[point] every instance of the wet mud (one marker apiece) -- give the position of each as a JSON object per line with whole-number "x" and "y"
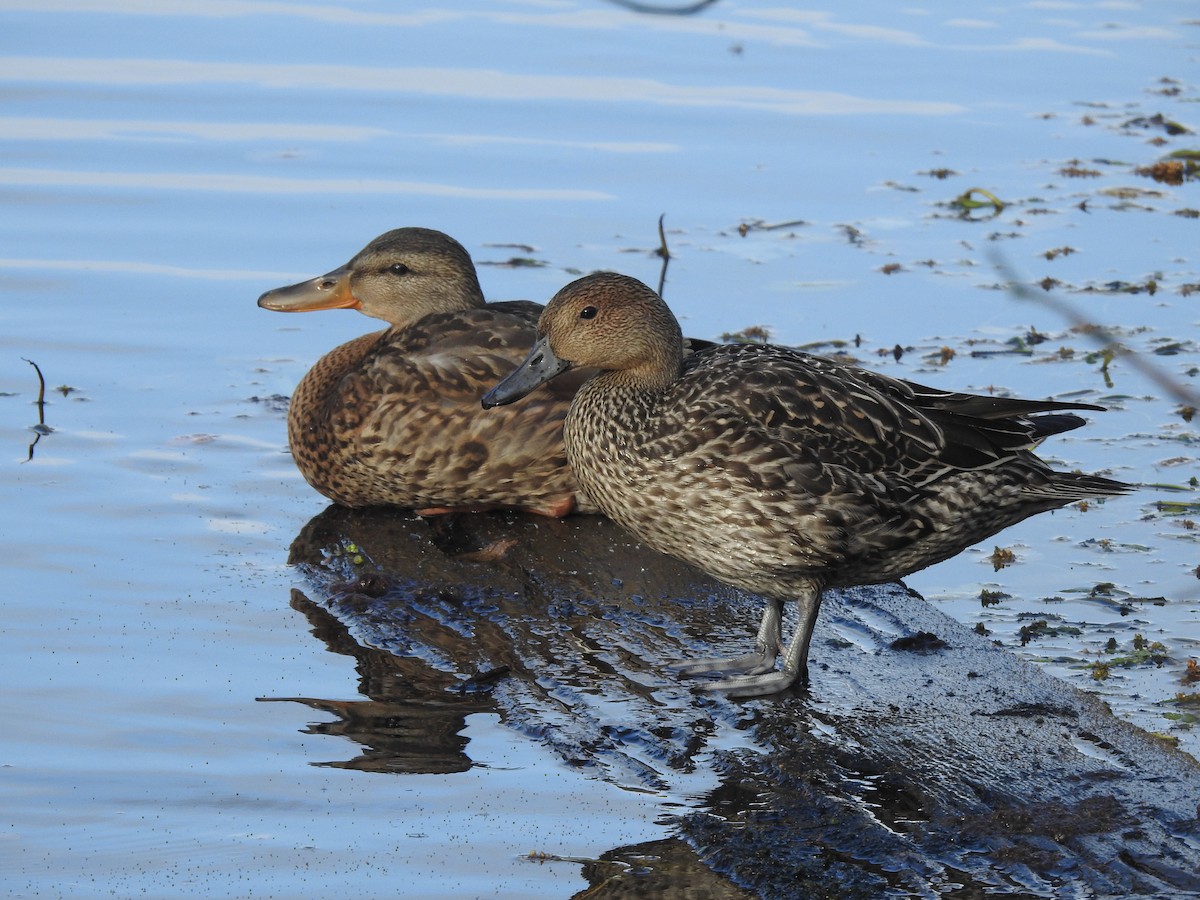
{"x": 920, "y": 760}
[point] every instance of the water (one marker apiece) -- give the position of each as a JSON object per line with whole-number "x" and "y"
{"x": 159, "y": 168}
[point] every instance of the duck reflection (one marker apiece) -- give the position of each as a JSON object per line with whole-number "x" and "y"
{"x": 546, "y": 623}
{"x": 409, "y": 724}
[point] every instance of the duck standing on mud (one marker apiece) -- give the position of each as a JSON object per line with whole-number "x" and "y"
{"x": 780, "y": 472}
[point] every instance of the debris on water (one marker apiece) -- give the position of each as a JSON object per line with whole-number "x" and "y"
{"x": 527, "y": 249}
{"x": 1074, "y": 170}
{"x": 1158, "y": 122}
{"x": 1010, "y": 351}
{"x": 967, "y": 202}
{"x": 991, "y": 598}
{"x": 1042, "y": 628}
{"x": 1001, "y": 557}
{"x": 1144, "y": 652}
{"x": 1177, "y": 507}
{"x": 516, "y": 262}
{"x": 744, "y": 228}
{"x": 853, "y": 235}
{"x": 277, "y": 403}
{"x": 941, "y": 356}
{"x": 1170, "y": 171}
{"x": 1129, "y": 193}
{"x": 753, "y": 334}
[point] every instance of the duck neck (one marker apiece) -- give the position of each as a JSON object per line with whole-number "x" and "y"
{"x": 644, "y": 379}
{"x": 452, "y": 297}
{"x": 650, "y": 366}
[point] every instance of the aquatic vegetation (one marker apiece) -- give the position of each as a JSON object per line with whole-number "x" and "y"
{"x": 967, "y": 202}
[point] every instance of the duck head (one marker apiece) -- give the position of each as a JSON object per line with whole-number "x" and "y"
{"x": 605, "y": 321}
{"x": 400, "y": 277}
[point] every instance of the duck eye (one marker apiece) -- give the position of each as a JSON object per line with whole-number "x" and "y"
{"x": 588, "y": 312}
{"x": 398, "y": 269}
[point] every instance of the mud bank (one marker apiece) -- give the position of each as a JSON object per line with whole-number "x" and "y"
{"x": 919, "y": 761}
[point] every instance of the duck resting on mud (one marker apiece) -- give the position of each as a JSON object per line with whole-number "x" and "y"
{"x": 392, "y": 418}
{"x": 780, "y": 472}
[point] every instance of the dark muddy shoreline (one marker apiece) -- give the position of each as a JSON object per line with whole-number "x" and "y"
{"x": 920, "y": 760}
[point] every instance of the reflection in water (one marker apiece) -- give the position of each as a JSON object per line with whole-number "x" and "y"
{"x": 552, "y": 621}
{"x": 409, "y": 724}
{"x": 141, "y": 268}
{"x": 23, "y": 128}
{"x": 264, "y": 184}
{"x": 487, "y": 84}
{"x": 26, "y": 128}
{"x": 903, "y": 771}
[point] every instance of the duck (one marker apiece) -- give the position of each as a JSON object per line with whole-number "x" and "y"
{"x": 779, "y": 472}
{"x": 392, "y": 418}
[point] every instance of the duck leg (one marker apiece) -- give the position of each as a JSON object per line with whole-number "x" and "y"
{"x": 766, "y": 647}
{"x": 795, "y": 659}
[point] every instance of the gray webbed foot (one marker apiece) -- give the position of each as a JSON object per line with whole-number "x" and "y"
{"x": 761, "y": 660}
{"x": 753, "y": 685}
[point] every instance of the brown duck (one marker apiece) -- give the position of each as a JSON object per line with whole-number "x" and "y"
{"x": 392, "y": 418}
{"x": 779, "y": 472}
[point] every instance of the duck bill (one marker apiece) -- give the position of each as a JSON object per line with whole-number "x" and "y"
{"x": 329, "y": 291}
{"x": 540, "y": 366}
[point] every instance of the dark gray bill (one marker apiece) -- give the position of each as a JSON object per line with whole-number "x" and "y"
{"x": 540, "y": 366}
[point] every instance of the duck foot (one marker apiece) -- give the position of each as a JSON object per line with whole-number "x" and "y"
{"x": 760, "y": 661}
{"x": 766, "y": 649}
{"x": 763, "y": 681}
{"x": 753, "y": 685}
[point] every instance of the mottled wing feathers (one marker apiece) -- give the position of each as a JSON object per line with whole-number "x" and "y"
{"x": 810, "y": 410}
{"x": 862, "y": 421}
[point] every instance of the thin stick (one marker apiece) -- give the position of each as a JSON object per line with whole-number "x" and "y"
{"x": 664, "y": 252}
{"x": 40, "y": 428}
{"x": 41, "y": 400}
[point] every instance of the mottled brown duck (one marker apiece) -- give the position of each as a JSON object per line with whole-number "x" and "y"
{"x": 780, "y": 472}
{"x": 392, "y": 418}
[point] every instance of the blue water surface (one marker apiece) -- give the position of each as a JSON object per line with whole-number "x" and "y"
{"x": 163, "y": 164}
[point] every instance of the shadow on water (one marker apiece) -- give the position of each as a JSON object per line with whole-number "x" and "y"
{"x": 920, "y": 761}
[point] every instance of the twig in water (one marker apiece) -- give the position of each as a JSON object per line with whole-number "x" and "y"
{"x": 664, "y": 252}
{"x": 41, "y": 400}
{"x": 40, "y": 428}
